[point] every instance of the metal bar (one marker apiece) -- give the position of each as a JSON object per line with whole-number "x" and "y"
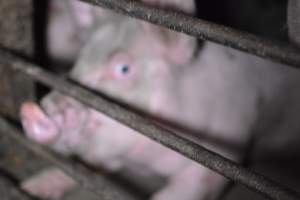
{"x": 187, "y": 148}
{"x": 283, "y": 53}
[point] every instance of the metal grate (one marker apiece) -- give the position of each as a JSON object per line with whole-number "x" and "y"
{"x": 205, "y": 30}
{"x": 199, "y": 28}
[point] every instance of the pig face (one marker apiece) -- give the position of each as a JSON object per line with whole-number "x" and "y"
{"x": 128, "y": 60}
{"x": 134, "y": 62}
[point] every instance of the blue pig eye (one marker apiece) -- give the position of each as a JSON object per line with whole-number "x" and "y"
{"x": 123, "y": 69}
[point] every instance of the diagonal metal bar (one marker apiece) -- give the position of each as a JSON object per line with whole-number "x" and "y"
{"x": 276, "y": 51}
{"x": 187, "y": 148}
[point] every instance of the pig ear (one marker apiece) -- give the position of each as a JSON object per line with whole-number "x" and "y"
{"x": 81, "y": 12}
{"x": 176, "y": 47}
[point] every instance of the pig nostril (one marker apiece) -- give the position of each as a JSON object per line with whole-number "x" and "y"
{"x": 39, "y": 129}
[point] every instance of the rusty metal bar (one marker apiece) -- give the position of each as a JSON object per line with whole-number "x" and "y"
{"x": 276, "y": 51}
{"x": 187, "y": 148}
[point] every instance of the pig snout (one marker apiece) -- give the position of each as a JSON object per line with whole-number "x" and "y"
{"x": 59, "y": 121}
{"x": 38, "y": 126}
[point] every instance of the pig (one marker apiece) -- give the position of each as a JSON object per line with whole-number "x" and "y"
{"x": 229, "y": 95}
{"x": 130, "y": 147}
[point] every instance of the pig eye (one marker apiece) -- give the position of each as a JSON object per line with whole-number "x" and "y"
{"x": 122, "y": 69}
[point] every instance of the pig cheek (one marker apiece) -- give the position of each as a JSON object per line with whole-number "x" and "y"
{"x": 72, "y": 118}
{"x": 103, "y": 145}
{"x": 158, "y": 103}
{"x": 73, "y": 129}
{"x": 89, "y": 133}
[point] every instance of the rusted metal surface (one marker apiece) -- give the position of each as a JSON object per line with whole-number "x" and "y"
{"x": 16, "y": 25}
{"x": 15, "y": 34}
{"x": 205, "y": 30}
{"x": 187, "y": 148}
{"x": 15, "y": 88}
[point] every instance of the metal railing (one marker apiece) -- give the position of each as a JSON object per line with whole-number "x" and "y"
{"x": 205, "y": 30}
{"x": 179, "y": 22}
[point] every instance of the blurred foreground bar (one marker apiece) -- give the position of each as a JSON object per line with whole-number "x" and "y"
{"x": 16, "y": 34}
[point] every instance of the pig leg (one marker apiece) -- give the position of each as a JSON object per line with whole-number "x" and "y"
{"x": 195, "y": 182}
{"x": 51, "y": 183}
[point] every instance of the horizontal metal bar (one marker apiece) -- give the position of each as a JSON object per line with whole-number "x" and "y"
{"x": 276, "y": 51}
{"x": 96, "y": 183}
{"x": 187, "y": 148}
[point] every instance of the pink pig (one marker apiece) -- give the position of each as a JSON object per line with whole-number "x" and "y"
{"x": 226, "y": 93}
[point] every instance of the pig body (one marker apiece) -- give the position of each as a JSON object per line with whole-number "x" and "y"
{"x": 225, "y": 94}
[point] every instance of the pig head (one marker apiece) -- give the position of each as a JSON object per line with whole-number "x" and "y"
{"x": 126, "y": 59}
{"x": 136, "y": 63}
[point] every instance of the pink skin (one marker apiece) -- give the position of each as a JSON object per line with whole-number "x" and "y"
{"x": 70, "y": 23}
{"x": 39, "y": 127}
{"x": 63, "y": 45}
